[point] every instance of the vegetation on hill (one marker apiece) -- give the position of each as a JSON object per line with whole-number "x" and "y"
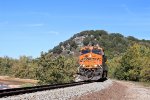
{"x": 132, "y": 65}
{"x": 113, "y": 43}
{"x": 128, "y": 59}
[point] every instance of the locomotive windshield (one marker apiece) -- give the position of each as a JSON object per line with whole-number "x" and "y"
{"x": 85, "y": 51}
{"x": 96, "y": 51}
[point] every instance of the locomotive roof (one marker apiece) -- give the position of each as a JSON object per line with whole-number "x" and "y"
{"x": 91, "y": 47}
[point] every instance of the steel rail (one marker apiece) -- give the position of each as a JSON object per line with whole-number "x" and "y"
{"x": 17, "y": 91}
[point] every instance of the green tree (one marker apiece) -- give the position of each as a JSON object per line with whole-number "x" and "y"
{"x": 5, "y": 65}
{"x": 25, "y": 67}
{"x": 56, "y": 69}
{"x": 86, "y": 41}
{"x": 134, "y": 64}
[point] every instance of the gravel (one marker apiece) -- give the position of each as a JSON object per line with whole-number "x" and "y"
{"x": 63, "y": 93}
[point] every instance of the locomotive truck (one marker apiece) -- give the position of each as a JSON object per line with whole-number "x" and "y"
{"x": 92, "y": 64}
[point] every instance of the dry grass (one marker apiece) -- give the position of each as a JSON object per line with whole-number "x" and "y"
{"x": 16, "y": 82}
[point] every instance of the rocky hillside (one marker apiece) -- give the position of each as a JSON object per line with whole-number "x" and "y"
{"x": 113, "y": 43}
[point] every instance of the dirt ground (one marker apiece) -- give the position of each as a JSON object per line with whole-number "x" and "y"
{"x": 120, "y": 90}
{"x": 15, "y": 82}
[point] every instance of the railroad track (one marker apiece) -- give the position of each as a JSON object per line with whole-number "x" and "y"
{"x": 17, "y": 91}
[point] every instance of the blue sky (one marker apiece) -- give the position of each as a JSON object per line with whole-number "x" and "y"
{"x": 28, "y": 27}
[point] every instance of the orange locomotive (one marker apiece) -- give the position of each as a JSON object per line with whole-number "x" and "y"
{"x": 92, "y": 64}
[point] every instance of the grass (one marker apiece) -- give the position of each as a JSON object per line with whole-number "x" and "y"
{"x": 27, "y": 85}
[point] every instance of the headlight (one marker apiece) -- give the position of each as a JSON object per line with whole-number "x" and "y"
{"x": 95, "y": 65}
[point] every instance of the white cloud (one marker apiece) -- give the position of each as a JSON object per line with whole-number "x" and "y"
{"x": 21, "y": 24}
{"x": 34, "y": 25}
{"x": 39, "y": 13}
{"x": 53, "y": 32}
{"x": 127, "y": 10}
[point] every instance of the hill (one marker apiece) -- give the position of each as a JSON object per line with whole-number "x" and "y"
{"x": 113, "y": 43}
{"x": 128, "y": 57}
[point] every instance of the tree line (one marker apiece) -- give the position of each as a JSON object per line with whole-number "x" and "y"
{"x": 46, "y": 69}
{"x": 132, "y": 65}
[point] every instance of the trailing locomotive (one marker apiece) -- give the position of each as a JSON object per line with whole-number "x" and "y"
{"x": 92, "y": 64}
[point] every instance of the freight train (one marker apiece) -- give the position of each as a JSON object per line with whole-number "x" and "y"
{"x": 92, "y": 64}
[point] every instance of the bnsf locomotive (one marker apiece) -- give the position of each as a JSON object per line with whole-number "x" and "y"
{"x": 92, "y": 64}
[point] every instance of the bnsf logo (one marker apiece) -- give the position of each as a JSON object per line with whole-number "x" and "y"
{"x": 84, "y": 59}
